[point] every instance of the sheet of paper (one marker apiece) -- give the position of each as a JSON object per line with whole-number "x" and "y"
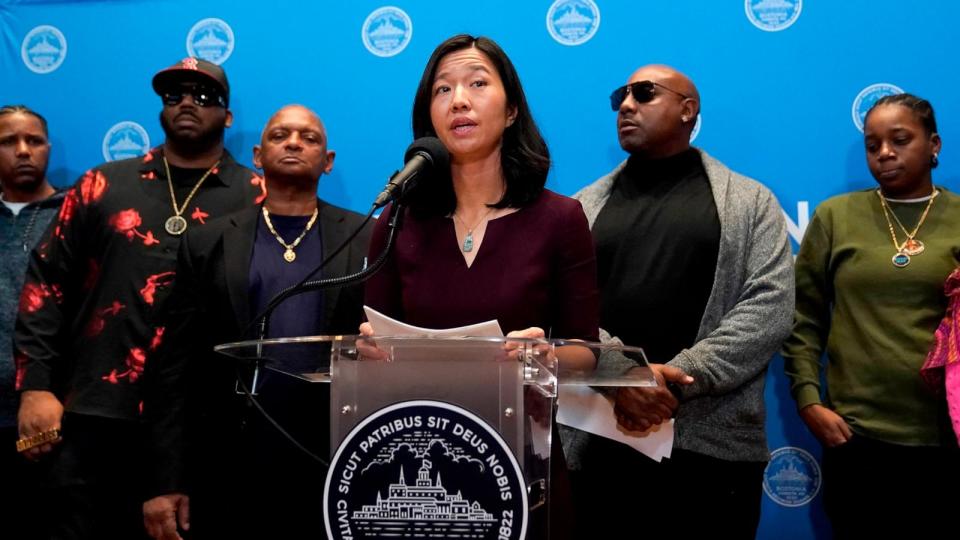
{"x": 386, "y": 326}
{"x": 584, "y": 408}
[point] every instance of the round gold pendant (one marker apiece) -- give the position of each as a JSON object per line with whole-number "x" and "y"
{"x": 289, "y": 255}
{"x": 175, "y": 225}
{"x": 901, "y": 259}
{"x": 913, "y": 247}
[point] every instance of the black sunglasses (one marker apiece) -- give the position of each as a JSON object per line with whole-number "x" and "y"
{"x": 642, "y": 92}
{"x": 203, "y": 96}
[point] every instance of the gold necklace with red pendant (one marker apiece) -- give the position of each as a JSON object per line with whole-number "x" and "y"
{"x": 911, "y": 246}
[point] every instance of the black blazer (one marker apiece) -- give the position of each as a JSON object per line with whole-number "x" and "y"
{"x": 189, "y": 393}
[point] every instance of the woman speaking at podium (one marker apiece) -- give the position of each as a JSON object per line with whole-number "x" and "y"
{"x": 484, "y": 240}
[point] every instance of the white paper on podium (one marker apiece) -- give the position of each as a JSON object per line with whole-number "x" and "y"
{"x": 586, "y": 409}
{"x": 386, "y": 326}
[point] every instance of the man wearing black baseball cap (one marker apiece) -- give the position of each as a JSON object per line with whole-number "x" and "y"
{"x": 195, "y": 70}
{"x": 88, "y": 319}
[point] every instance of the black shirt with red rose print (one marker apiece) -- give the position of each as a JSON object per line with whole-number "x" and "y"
{"x": 97, "y": 282}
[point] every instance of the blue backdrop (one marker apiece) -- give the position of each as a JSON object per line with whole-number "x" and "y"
{"x": 783, "y": 84}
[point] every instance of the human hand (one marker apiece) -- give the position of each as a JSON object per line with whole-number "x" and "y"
{"x": 40, "y": 411}
{"x": 827, "y": 426}
{"x": 366, "y": 329}
{"x": 367, "y": 347}
{"x": 639, "y": 408}
{"x": 513, "y": 348}
{"x": 162, "y": 514}
{"x": 528, "y": 333}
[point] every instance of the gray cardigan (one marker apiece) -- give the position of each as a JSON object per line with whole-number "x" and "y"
{"x": 747, "y": 317}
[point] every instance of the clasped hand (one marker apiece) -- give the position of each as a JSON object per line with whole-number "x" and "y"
{"x": 640, "y": 408}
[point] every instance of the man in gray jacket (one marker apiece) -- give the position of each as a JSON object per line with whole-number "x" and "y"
{"x": 694, "y": 265}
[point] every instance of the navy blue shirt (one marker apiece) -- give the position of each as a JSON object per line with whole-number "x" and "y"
{"x": 301, "y": 315}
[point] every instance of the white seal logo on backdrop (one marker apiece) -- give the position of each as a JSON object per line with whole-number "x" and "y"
{"x": 773, "y": 15}
{"x": 387, "y": 31}
{"x": 696, "y": 129}
{"x": 212, "y": 40}
{"x": 43, "y": 49}
{"x": 424, "y": 469}
{"x": 125, "y": 140}
{"x": 792, "y": 478}
{"x": 572, "y": 22}
{"x": 867, "y": 97}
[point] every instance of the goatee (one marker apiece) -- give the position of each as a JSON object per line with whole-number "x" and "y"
{"x": 193, "y": 142}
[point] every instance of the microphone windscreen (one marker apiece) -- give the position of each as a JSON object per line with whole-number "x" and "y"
{"x": 432, "y": 148}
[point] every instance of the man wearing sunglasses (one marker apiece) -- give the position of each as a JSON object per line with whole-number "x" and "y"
{"x": 694, "y": 265}
{"x": 88, "y": 320}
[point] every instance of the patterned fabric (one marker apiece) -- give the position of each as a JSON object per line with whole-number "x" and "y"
{"x": 941, "y": 371}
{"x": 97, "y": 282}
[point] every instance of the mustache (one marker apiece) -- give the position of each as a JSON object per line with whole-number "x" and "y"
{"x": 187, "y": 114}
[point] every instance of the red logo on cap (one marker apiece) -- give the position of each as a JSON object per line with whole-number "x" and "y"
{"x": 189, "y": 63}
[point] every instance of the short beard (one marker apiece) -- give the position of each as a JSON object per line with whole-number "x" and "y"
{"x": 194, "y": 144}
{"x": 26, "y": 187}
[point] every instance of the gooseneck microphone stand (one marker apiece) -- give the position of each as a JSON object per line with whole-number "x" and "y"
{"x": 307, "y": 284}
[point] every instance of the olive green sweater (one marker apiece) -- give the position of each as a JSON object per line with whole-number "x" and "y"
{"x": 874, "y": 321}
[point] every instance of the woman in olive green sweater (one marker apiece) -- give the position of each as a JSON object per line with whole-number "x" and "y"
{"x": 870, "y": 276}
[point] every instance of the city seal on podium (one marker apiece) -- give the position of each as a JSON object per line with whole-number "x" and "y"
{"x": 424, "y": 469}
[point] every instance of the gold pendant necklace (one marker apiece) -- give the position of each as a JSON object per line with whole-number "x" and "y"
{"x": 177, "y": 224}
{"x": 289, "y": 255}
{"x": 910, "y": 247}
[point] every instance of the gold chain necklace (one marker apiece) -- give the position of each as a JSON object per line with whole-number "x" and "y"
{"x": 900, "y": 223}
{"x": 289, "y": 254}
{"x": 177, "y": 224}
{"x": 468, "y": 239}
{"x": 911, "y": 246}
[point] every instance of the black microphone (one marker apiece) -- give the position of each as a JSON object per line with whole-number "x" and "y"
{"x": 424, "y": 154}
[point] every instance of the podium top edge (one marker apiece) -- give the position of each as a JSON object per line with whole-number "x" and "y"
{"x": 349, "y": 340}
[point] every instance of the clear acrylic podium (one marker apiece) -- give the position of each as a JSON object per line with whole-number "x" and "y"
{"x": 441, "y": 437}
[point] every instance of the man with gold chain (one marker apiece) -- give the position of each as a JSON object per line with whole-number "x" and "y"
{"x": 227, "y": 273}
{"x": 88, "y": 319}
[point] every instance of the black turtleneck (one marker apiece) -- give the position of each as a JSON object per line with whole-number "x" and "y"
{"x": 657, "y": 240}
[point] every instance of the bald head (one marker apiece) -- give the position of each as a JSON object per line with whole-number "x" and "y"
{"x": 292, "y": 110}
{"x": 293, "y": 146}
{"x": 669, "y": 77}
{"x": 658, "y": 125}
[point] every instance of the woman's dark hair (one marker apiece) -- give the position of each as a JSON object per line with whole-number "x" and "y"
{"x": 525, "y": 158}
{"x": 10, "y": 109}
{"x": 921, "y": 109}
